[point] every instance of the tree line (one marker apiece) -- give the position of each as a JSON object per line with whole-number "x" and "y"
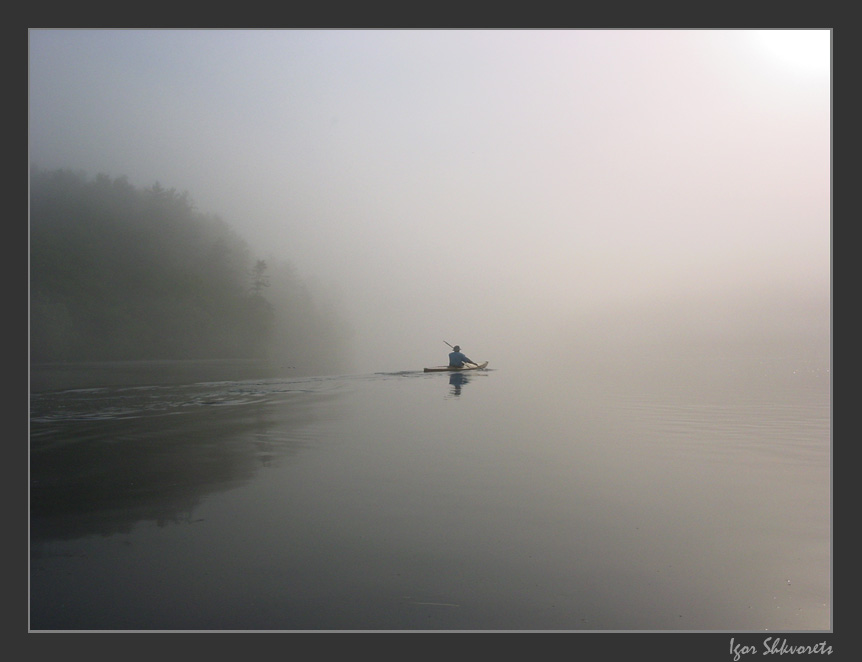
{"x": 121, "y": 273}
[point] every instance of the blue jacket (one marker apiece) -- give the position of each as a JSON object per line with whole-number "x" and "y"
{"x": 457, "y": 359}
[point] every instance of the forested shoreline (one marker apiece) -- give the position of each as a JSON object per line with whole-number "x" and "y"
{"x": 121, "y": 273}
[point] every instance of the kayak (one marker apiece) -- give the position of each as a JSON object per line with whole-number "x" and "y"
{"x": 446, "y": 368}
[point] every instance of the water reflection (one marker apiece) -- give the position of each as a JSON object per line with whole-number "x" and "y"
{"x": 456, "y": 381}
{"x": 102, "y": 460}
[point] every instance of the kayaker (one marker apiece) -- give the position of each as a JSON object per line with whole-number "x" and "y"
{"x": 457, "y": 358}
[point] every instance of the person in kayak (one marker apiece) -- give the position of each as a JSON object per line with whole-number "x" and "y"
{"x": 457, "y": 358}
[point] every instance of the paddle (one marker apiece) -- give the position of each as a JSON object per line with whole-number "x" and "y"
{"x": 470, "y": 362}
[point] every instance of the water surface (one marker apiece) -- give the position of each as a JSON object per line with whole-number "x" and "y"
{"x": 668, "y": 498}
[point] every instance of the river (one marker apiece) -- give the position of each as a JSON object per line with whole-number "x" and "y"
{"x": 225, "y": 496}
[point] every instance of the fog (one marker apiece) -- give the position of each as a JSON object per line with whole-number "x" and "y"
{"x": 520, "y": 193}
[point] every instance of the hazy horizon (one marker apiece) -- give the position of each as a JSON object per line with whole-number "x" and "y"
{"x": 498, "y": 189}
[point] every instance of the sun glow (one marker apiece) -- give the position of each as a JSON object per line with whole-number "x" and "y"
{"x": 803, "y": 51}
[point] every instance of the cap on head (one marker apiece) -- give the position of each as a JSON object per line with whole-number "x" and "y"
{"x": 457, "y": 348}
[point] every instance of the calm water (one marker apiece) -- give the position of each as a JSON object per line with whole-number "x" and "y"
{"x": 199, "y": 497}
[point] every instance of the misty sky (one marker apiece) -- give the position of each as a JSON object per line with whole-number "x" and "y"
{"x": 469, "y": 186}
